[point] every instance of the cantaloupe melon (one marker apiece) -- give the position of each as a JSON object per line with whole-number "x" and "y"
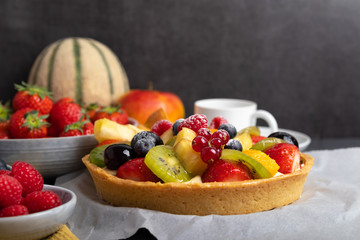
{"x": 81, "y": 68}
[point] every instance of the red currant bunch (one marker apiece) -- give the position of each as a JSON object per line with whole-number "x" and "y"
{"x": 210, "y": 145}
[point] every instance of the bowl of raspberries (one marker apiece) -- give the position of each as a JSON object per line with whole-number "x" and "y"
{"x": 51, "y": 135}
{"x": 30, "y": 209}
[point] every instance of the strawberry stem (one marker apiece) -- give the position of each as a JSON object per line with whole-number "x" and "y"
{"x": 77, "y": 125}
{"x": 5, "y": 111}
{"x": 34, "y": 121}
{"x": 33, "y": 89}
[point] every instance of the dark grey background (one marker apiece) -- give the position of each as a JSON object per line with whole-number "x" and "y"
{"x": 298, "y": 59}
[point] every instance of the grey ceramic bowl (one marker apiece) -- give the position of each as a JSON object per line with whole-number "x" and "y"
{"x": 41, "y": 224}
{"x": 52, "y": 157}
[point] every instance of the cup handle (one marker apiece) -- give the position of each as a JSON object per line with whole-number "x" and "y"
{"x": 268, "y": 117}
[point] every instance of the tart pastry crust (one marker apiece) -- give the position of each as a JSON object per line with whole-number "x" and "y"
{"x": 222, "y": 198}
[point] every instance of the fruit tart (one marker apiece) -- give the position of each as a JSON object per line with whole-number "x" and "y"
{"x": 187, "y": 167}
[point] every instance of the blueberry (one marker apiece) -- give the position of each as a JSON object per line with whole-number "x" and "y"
{"x": 286, "y": 137}
{"x": 231, "y": 129}
{"x": 116, "y": 155}
{"x": 143, "y": 146}
{"x": 176, "y": 125}
{"x": 158, "y": 140}
{"x": 3, "y": 165}
{"x": 143, "y": 141}
{"x": 234, "y": 144}
{"x": 146, "y": 135}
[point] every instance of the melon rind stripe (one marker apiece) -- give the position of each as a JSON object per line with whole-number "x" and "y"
{"x": 106, "y": 66}
{"x": 51, "y": 64}
{"x": 78, "y": 72}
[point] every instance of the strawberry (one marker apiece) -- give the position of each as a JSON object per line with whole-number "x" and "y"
{"x": 286, "y": 155}
{"x": 91, "y": 109}
{"x": 41, "y": 200}
{"x": 5, "y": 172}
{"x": 78, "y": 128}
{"x": 28, "y": 123}
{"x": 161, "y": 126}
{"x": 136, "y": 169}
{"x": 226, "y": 171}
{"x": 64, "y": 113}
{"x": 113, "y": 113}
{"x": 256, "y": 139}
{"x": 14, "y": 210}
{"x": 10, "y": 191}
{"x": 217, "y": 121}
{"x": 65, "y": 99}
{"x": 4, "y": 133}
{"x": 30, "y": 179}
{"x": 32, "y": 96}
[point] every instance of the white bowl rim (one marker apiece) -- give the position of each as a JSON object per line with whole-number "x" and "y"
{"x": 46, "y": 138}
{"x": 28, "y": 217}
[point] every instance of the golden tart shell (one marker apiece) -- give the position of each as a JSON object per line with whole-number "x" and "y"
{"x": 222, "y": 198}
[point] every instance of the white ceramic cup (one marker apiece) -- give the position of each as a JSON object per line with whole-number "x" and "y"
{"x": 241, "y": 113}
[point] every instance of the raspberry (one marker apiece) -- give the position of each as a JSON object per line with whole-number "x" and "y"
{"x": 10, "y": 191}
{"x": 14, "y": 210}
{"x": 194, "y": 122}
{"x": 217, "y": 121}
{"x": 41, "y": 200}
{"x": 30, "y": 179}
{"x": 161, "y": 126}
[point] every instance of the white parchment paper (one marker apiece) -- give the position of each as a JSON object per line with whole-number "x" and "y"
{"x": 329, "y": 208}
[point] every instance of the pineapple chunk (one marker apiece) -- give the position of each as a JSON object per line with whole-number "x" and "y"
{"x": 105, "y": 129}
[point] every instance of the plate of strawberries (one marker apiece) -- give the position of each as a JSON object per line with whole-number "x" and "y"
{"x": 30, "y": 209}
{"x": 51, "y": 135}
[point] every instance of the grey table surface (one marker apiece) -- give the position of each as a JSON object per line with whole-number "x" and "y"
{"x": 333, "y": 143}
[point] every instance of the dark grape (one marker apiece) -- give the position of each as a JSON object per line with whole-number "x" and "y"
{"x": 116, "y": 155}
{"x": 287, "y": 137}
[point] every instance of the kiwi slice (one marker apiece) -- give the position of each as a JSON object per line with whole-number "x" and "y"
{"x": 161, "y": 160}
{"x": 252, "y": 130}
{"x": 97, "y": 155}
{"x": 266, "y": 143}
{"x": 257, "y": 169}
